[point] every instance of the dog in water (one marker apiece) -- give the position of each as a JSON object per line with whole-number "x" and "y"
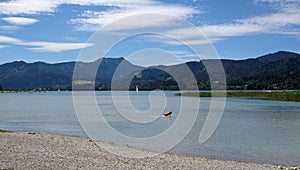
{"x": 166, "y": 114}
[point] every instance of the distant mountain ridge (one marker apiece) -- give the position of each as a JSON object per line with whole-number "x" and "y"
{"x": 280, "y": 70}
{"x": 280, "y": 55}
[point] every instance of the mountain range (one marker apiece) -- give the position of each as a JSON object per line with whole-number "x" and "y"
{"x": 280, "y": 70}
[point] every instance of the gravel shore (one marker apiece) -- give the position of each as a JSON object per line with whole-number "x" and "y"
{"x": 23, "y": 150}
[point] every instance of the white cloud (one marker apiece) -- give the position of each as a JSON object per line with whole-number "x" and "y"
{"x": 185, "y": 54}
{"x": 187, "y": 36}
{"x": 43, "y": 46}
{"x": 38, "y": 6}
{"x": 286, "y": 22}
{"x": 70, "y": 39}
{"x": 111, "y": 3}
{"x": 15, "y": 7}
{"x": 3, "y": 46}
{"x": 190, "y": 36}
{"x": 9, "y": 27}
{"x": 288, "y": 14}
{"x": 278, "y": 23}
{"x": 94, "y": 20}
{"x": 20, "y": 20}
{"x": 153, "y": 56}
{"x": 55, "y": 46}
{"x": 28, "y": 7}
{"x": 9, "y": 40}
{"x": 91, "y": 20}
{"x": 229, "y": 30}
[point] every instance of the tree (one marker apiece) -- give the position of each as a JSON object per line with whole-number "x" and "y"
{"x": 1, "y": 88}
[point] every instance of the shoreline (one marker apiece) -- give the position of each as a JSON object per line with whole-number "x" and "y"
{"x": 289, "y": 96}
{"x": 35, "y": 150}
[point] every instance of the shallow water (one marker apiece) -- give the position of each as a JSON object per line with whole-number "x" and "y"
{"x": 250, "y": 130}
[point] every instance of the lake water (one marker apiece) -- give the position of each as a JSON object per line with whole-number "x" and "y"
{"x": 250, "y": 130}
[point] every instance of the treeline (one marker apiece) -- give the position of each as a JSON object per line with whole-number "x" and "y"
{"x": 273, "y": 82}
{"x": 277, "y": 71}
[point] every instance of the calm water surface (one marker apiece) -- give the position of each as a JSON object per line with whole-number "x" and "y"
{"x": 250, "y": 130}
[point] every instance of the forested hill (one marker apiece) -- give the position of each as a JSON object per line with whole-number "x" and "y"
{"x": 280, "y": 70}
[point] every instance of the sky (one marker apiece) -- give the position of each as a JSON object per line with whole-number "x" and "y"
{"x": 55, "y": 31}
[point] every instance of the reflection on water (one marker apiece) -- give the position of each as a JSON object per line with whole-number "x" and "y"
{"x": 250, "y": 130}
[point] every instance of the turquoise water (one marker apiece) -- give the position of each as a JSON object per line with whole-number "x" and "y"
{"x": 250, "y": 130}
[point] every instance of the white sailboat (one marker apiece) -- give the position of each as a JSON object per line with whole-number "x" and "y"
{"x": 137, "y": 88}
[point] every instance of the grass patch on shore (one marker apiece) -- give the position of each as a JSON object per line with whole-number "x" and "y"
{"x": 278, "y": 95}
{"x": 1, "y": 131}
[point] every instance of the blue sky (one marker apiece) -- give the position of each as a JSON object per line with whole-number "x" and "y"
{"x": 57, "y": 30}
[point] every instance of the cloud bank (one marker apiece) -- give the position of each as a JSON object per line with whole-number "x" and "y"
{"x": 285, "y": 21}
{"x": 43, "y": 46}
{"x": 20, "y": 20}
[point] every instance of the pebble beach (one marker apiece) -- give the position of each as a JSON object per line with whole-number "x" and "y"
{"x": 28, "y": 150}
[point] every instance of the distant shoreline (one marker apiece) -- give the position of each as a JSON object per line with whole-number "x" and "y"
{"x": 279, "y": 95}
{"x": 293, "y": 96}
{"x": 23, "y": 150}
